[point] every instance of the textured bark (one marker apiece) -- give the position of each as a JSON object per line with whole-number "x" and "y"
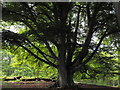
{"x": 65, "y": 74}
{"x": 65, "y": 77}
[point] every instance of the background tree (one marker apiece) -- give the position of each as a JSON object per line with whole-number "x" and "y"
{"x": 70, "y": 32}
{"x": 6, "y": 61}
{"x": 117, "y": 9}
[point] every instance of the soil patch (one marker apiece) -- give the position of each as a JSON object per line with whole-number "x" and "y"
{"x": 34, "y": 85}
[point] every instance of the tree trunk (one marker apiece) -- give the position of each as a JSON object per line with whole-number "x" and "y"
{"x": 65, "y": 77}
{"x": 65, "y": 73}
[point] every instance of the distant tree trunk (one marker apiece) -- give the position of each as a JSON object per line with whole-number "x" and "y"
{"x": 117, "y": 8}
{"x": 113, "y": 83}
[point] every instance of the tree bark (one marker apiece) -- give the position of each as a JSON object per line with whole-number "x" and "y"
{"x": 65, "y": 77}
{"x": 65, "y": 73}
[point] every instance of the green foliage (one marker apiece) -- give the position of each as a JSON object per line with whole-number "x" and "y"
{"x": 74, "y": 36}
{"x": 22, "y": 64}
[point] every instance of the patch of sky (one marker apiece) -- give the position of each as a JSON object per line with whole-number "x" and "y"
{"x": 12, "y": 27}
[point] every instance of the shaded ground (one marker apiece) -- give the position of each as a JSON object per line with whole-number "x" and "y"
{"x": 29, "y": 85}
{"x": 26, "y": 84}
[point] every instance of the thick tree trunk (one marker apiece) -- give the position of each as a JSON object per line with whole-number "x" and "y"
{"x": 65, "y": 73}
{"x": 65, "y": 77}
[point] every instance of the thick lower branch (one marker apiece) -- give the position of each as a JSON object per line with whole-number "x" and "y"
{"x": 90, "y": 57}
{"x": 50, "y": 50}
{"x": 47, "y": 62}
{"x": 42, "y": 53}
{"x": 19, "y": 14}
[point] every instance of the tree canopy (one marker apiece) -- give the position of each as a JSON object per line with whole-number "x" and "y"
{"x": 68, "y": 36}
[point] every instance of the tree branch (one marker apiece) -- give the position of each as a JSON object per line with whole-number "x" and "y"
{"x": 82, "y": 54}
{"x": 18, "y": 39}
{"x": 47, "y": 62}
{"x": 89, "y": 58}
{"x": 29, "y": 10}
{"x": 101, "y": 72}
{"x": 50, "y": 50}
{"x": 72, "y": 46}
{"x": 88, "y": 13}
{"x": 77, "y": 25}
{"x": 41, "y": 52}
{"x": 45, "y": 5}
{"x": 19, "y": 14}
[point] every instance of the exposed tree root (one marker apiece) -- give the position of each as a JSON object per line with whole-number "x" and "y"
{"x": 56, "y": 85}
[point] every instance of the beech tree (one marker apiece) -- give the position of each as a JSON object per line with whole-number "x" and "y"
{"x": 76, "y": 31}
